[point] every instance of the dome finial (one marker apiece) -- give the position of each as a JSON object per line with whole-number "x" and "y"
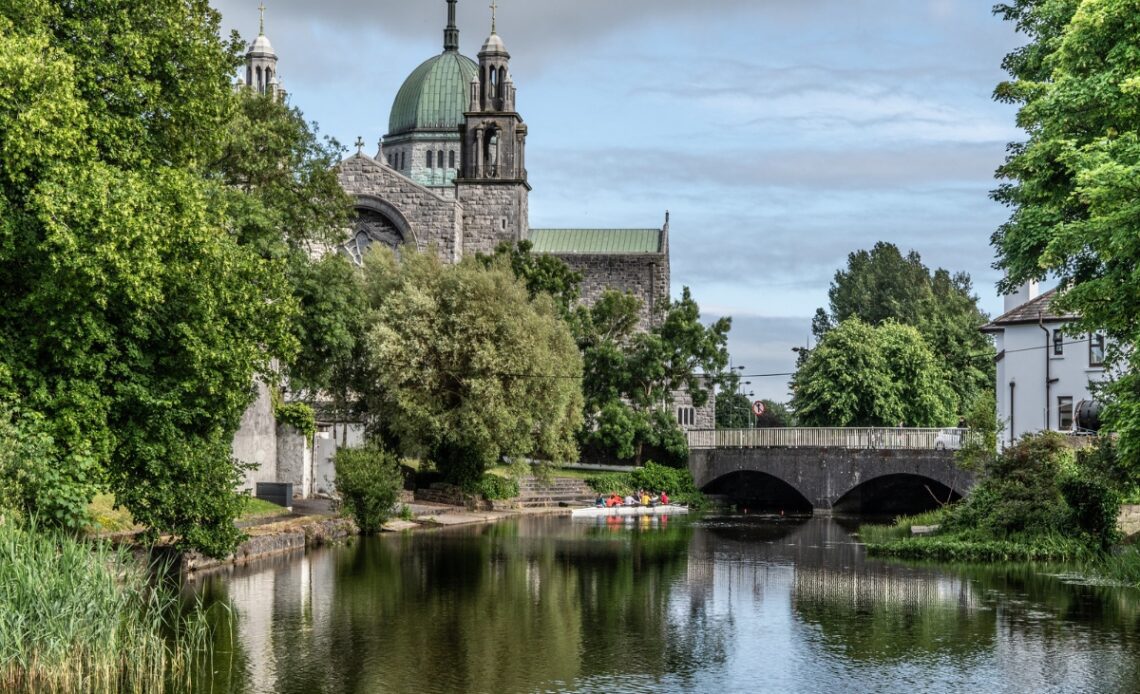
{"x": 451, "y": 33}
{"x": 261, "y": 28}
{"x": 494, "y": 9}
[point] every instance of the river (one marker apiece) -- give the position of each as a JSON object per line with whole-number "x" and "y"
{"x": 719, "y": 604}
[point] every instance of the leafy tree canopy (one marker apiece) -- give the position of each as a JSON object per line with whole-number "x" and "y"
{"x": 863, "y": 375}
{"x": 141, "y": 286}
{"x": 464, "y": 367}
{"x": 540, "y": 273}
{"x": 883, "y": 285}
{"x": 1071, "y": 185}
{"x": 631, "y": 376}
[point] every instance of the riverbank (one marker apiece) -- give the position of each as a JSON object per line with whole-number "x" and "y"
{"x": 923, "y": 537}
{"x": 315, "y": 524}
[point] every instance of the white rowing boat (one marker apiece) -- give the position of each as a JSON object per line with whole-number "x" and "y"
{"x": 595, "y": 512}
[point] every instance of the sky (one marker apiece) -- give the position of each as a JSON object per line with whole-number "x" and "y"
{"x": 780, "y": 135}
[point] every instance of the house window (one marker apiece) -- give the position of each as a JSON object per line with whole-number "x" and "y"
{"x": 1064, "y": 413}
{"x": 1096, "y": 349}
{"x": 429, "y": 155}
{"x": 686, "y": 416}
{"x": 1058, "y": 343}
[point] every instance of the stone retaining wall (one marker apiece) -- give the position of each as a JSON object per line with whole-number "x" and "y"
{"x": 1129, "y": 520}
{"x": 289, "y": 539}
{"x": 441, "y": 493}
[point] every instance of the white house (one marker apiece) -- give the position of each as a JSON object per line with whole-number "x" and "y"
{"x": 1043, "y": 373}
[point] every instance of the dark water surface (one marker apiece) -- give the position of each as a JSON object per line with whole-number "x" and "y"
{"x": 713, "y": 605}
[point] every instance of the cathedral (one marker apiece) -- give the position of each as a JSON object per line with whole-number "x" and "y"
{"x": 450, "y": 175}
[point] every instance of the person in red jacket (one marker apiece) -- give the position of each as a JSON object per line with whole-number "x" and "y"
{"x": 664, "y": 498}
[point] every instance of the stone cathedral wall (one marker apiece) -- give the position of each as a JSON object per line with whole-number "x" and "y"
{"x": 432, "y": 218}
{"x": 645, "y": 275}
{"x": 493, "y": 213}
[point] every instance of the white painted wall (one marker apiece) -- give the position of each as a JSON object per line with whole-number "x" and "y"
{"x": 325, "y": 445}
{"x": 1026, "y": 348}
{"x": 256, "y": 440}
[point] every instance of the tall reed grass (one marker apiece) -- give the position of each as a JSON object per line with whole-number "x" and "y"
{"x": 77, "y": 616}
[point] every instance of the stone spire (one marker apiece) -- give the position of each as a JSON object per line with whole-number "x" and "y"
{"x": 451, "y": 33}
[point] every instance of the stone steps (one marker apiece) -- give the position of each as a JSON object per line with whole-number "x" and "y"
{"x": 560, "y": 491}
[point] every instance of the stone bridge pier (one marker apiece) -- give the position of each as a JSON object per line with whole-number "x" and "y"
{"x": 825, "y": 479}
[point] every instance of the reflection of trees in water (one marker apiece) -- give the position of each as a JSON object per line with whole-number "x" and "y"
{"x": 637, "y": 618}
{"x": 543, "y": 604}
{"x": 865, "y": 609}
{"x": 510, "y": 607}
{"x": 884, "y": 614}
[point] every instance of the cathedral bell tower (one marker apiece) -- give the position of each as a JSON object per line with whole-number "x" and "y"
{"x": 492, "y": 183}
{"x": 261, "y": 65}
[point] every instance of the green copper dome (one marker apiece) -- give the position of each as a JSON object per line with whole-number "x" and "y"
{"x": 435, "y": 95}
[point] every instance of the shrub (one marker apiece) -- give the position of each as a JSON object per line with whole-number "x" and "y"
{"x": 496, "y": 487}
{"x": 1019, "y": 490}
{"x": 297, "y": 415}
{"x": 677, "y": 482}
{"x": 369, "y": 482}
{"x": 1093, "y": 507}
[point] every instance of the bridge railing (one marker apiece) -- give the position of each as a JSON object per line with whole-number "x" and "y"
{"x": 860, "y": 438}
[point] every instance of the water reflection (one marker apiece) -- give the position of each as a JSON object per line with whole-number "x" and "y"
{"x": 731, "y": 604}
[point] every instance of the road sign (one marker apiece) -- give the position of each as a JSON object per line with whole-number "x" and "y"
{"x": 758, "y": 408}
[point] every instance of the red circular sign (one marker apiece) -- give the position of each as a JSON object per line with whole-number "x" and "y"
{"x": 758, "y": 408}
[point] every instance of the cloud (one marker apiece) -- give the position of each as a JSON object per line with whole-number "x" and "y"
{"x": 781, "y": 134}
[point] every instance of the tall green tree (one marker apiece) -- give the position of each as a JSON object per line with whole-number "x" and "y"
{"x": 540, "y": 273}
{"x": 864, "y": 375}
{"x": 1071, "y": 185}
{"x": 463, "y": 367}
{"x": 631, "y": 376}
{"x": 882, "y": 285}
{"x": 140, "y": 287}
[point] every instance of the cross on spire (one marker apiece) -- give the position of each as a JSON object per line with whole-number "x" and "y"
{"x": 360, "y": 145}
{"x": 261, "y": 9}
{"x": 494, "y": 9}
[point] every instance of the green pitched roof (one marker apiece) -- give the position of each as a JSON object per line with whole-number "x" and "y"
{"x": 597, "y": 241}
{"x": 435, "y": 95}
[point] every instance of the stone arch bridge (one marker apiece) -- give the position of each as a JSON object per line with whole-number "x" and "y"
{"x": 825, "y": 470}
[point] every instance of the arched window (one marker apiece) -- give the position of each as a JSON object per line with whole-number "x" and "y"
{"x": 451, "y": 159}
{"x": 260, "y": 84}
{"x": 439, "y": 158}
{"x": 429, "y": 160}
{"x": 494, "y": 83}
{"x": 491, "y": 154}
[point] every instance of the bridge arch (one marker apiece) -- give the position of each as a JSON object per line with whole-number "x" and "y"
{"x": 760, "y": 492}
{"x": 856, "y": 480}
{"x": 894, "y": 494}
